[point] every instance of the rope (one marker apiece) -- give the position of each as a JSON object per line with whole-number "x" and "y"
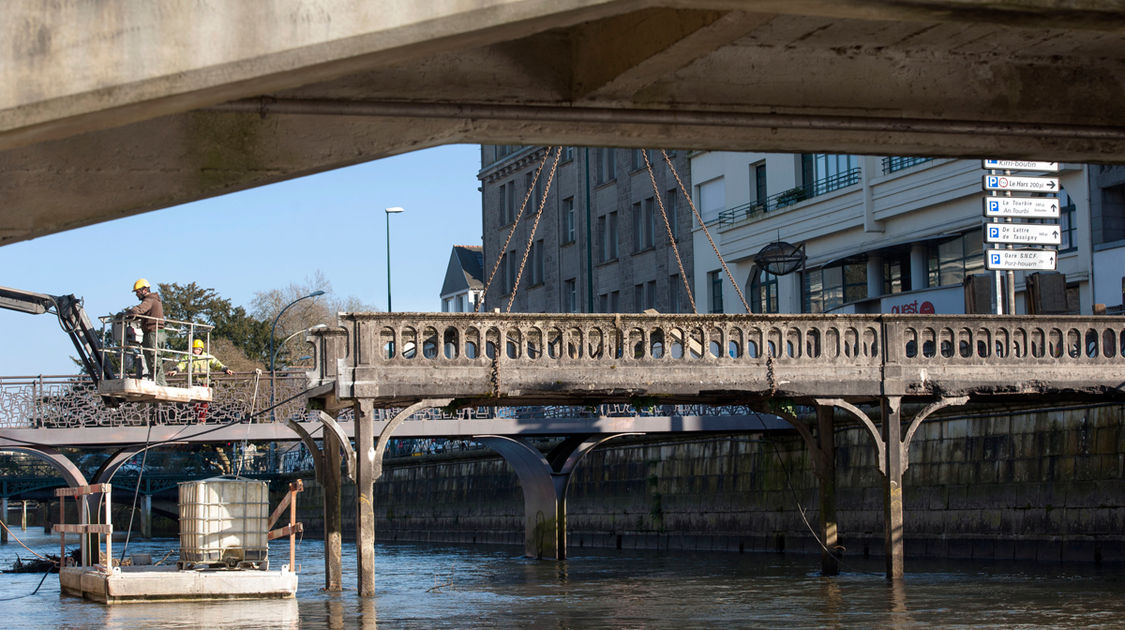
{"x": 668, "y": 228}
{"x": 706, "y": 232}
{"x": 534, "y": 227}
{"x": 253, "y": 405}
{"x": 512, "y": 232}
{"x": 17, "y": 539}
{"x": 136, "y": 492}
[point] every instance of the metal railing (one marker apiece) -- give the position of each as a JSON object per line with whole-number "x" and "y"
{"x": 786, "y": 198}
{"x": 898, "y": 163}
{"x": 122, "y": 337}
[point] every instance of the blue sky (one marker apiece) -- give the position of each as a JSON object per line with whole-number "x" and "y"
{"x": 256, "y": 240}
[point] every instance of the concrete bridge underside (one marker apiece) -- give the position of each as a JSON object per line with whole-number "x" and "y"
{"x": 120, "y": 107}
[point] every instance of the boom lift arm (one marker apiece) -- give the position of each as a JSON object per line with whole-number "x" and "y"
{"x": 73, "y": 319}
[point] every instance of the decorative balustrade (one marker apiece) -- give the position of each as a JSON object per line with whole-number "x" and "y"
{"x": 569, "y": 359}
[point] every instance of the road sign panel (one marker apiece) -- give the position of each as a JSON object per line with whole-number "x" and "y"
{"x": 1022, "y": 207}
{"x": 1021, "y": 184}
{"x": 1028, "y": 234}
{"x": 1020, "y": 259}
{"x": 1021, "y": 165}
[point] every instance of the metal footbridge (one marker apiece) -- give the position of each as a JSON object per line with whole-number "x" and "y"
{"x": 590, "y": 378}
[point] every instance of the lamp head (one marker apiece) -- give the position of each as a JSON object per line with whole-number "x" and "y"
{"x": 394, "y": 210}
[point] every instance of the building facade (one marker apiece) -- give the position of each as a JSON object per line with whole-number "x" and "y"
{"x": 600, "y": 243}
{"x": 892, "y": 235}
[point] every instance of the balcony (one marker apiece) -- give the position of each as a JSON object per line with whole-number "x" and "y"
{"x": 757, "y": 209}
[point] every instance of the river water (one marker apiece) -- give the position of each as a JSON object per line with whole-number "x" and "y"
{"x": 430, "y": 586}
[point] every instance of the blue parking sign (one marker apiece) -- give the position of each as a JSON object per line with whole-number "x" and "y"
{"x": 995, "y": 259}
{"x": 994, "y": 206}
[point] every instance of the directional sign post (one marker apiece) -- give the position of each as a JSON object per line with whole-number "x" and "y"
{"x": 1022, "y": 233}
{"x": 1020, "y": 259}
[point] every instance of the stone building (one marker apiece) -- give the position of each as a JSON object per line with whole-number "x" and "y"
{"x": 601, "y": 244}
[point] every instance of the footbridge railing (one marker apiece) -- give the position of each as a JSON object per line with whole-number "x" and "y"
{"x": 494, "y": 358}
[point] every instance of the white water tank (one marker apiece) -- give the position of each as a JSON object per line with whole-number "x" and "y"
{"x": 224, "y": 520}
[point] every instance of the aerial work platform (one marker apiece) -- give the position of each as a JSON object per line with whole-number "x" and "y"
{"x": 144, "y": 390}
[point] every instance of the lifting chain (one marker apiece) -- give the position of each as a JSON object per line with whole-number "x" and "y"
{"x": 534, "y": 225}
{"x": 512, "y": 232}
{"x": 706, "y": 232}
{"x": 668, "y": 228}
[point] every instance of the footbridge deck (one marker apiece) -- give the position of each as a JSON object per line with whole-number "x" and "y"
{"x": 480, "y": 359}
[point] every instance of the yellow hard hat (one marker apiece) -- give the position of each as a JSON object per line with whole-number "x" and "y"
{"x": 142, "y": 283}
{"x": 198, "y": 343}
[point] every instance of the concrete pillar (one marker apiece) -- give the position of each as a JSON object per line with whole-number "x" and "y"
{"x": 874, "y": 276}
{"x": 146, "y": 516}
{"x": 333, "y": 528}
{"x": 919, "y": 273}
{"x": 826, "y": 438}
{"x": 365, "y": 493}
{"x": 23, "y": 518}
{"x": 892, "y": 485}
{"x": 4, "y": 518}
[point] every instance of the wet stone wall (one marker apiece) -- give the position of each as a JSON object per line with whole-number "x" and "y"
{"x": 1041, "y": 485}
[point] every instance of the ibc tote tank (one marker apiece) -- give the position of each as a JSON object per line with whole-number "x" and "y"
{"x": 224, "y": 520}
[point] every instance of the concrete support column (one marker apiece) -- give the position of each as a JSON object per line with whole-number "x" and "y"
{"x": 146, "y": 516}
{"x": 365, "y": 493}
{"x": 826, "y": 435}
{"x": 918, "y": 271}
{"x": 874, "y": 276}
{"x": 4, "y": 518}
{"x": 892, "y": 485}
{"x": 23, "y": 518}
{"x": 333, "y": 529}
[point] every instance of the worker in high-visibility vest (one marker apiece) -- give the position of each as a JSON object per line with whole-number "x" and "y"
{"x": 200, "y": 364}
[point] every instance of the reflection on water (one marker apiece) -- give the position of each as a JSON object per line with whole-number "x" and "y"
{"x": 421, "y": 586}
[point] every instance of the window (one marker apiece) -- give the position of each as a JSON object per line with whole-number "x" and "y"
{"x": 510, "y": 203}
{"x": 611, "y": 240}
{"x": 603, "y": 303}
{"x": 1066, "y": 222}
{"x": 615, "y": 302}
{"x": 460, "y": 304}
{"x": 758, "y": 186}
{"x": 715, "y": 288}
{"x": 510, "y": 275}
{"x": 607, "y": 166}
{"x": 711, "y": 198}
{"x": 671, "y": 210}
{"x": 603, "y": 240}
{"x": 638, "y": 159}
{"x": 828, "y": 288}
{"x": 568, "y": 225}
{"x": 644, "y": 224}
{"x": 896, "y": 273}
{"x": 503, "y": 205}
{"x": 445, "y": 305}
{"x": 570, "y": 294}
{"x": 650, "y": 294}
{"x": 567, "y": 154}
{"x": 825, "y": 172}
{"x": 951, "y": 260}
{"x": 638, "y": 298}
{"x": 537, "y": 263}
{"x": 763, "y": 292}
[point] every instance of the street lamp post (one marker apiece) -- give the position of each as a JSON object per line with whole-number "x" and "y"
{"x": 389, "y": 212}
{"x": 273, "y": 355}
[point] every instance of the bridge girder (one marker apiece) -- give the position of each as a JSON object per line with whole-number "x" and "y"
{"x": 116, "y": 108}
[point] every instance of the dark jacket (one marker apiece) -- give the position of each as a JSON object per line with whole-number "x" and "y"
{"x": 153, "y": 310}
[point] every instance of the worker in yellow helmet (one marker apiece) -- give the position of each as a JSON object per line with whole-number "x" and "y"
{"x": 200, "y": 364}
{"x": 151, "y": 313}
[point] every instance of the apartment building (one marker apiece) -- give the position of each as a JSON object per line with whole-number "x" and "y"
{"x": 600, "y": 243}
{"x": 889, "y": 234}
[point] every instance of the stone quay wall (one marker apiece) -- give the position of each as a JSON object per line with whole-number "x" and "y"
{"x": 1045, "y": 485}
